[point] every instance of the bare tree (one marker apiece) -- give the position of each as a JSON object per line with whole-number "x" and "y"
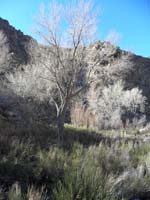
{"x": 62, "y": 73}
{"x": 67, "y": 67}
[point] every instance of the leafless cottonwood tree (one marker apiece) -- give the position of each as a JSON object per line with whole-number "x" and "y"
{"x": 67, "y": 31}
{"x": 62, "y": 73}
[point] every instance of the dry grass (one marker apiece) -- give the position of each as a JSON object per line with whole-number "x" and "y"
{"x": 87, "y": 165}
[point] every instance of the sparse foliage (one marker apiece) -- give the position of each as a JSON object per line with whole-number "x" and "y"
{"x": 113, "y": 102}
{"x": 28, "y": 83}
{"x": 113, "y": 37}
{"x": 61, "y": 74}
{"x": 67, "y": 67}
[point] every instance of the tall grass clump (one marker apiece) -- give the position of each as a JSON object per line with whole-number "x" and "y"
{"x": 84, "y": 178}
{"x": 15, "y": 192}
{"x": 36, "y": 194}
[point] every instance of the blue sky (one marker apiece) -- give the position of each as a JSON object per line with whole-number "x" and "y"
{"x": 128, "y": 18}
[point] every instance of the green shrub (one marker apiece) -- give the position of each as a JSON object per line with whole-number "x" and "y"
{"x": 84, "y": 178}
{"x": 139, "y": 155}
{"x": 51, "y": 163}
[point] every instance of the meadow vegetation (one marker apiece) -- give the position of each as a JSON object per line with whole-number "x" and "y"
{"x": 86, "y": 165}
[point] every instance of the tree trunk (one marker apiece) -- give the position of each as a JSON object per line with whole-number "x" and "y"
{"x": 60, "y": 123}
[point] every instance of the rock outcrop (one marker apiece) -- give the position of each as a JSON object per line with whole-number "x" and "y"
{"x": 17, "y": 42}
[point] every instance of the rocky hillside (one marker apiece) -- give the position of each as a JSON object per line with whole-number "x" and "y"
{"x": 17, "y": 42}
{"x": 115, "y": 63}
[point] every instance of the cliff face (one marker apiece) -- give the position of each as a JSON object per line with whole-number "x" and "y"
{"x": 17, "y": 42}
{"x": 115, "y": 63}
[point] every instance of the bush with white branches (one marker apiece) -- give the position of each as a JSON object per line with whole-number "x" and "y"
{"x": 112, "y": 102}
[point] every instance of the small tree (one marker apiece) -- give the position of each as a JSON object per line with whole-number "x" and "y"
{"x": 63, "y": 73}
